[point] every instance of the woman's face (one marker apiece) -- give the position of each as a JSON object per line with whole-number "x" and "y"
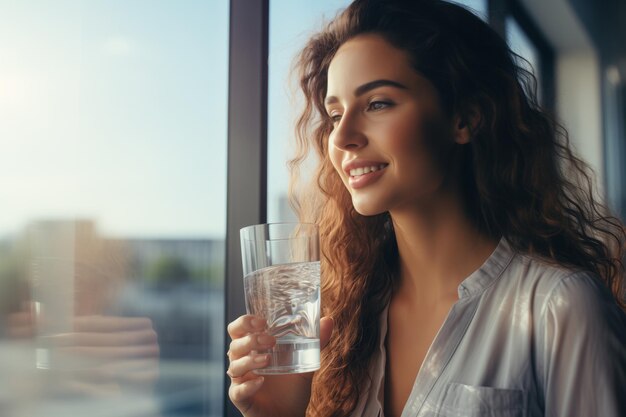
{"x": 390, "y": 139}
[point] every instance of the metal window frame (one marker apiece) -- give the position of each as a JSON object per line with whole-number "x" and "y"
{"x": 499, "y": 10}
{"x": 614, "y": 144}
{"x": 247, "y": 146}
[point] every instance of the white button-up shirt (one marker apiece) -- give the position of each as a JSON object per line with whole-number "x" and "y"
{"x": 525, "y": 339}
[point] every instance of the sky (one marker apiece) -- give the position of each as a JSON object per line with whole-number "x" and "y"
{"x": 116, "y": 111}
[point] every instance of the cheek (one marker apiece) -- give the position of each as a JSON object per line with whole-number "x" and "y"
{"x": 332, "y": 154}
{"x": 423, "y": 138}
{"x": 405, "y": 139}
{"x": 335, "y": 158}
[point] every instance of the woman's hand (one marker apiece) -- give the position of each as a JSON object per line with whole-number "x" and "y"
{"x": 104, "y": 356}
{"x": 269, "y": 395}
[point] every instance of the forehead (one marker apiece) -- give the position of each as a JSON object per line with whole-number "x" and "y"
{"x": 366, "y": 58}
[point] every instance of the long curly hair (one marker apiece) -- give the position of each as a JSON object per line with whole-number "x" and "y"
{"x": 520, "y": 179}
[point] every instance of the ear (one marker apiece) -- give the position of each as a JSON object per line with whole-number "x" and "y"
{"x": 465, "y": 126}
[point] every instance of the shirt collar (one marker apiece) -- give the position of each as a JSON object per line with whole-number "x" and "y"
{"x": 489, "y": 272}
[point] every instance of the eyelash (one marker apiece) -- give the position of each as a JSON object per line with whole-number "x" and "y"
{"x": 370, "y": 107}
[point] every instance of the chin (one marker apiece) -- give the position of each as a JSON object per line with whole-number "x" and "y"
{"x": 365, "y": 208}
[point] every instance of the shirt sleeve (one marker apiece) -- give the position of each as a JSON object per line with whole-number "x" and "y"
{"x": 582, "y": 350}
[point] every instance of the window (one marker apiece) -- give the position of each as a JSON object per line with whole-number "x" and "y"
{"x": 295, "y": 22}
{"x": 113, "y": 180}
{"x": 527, "y": 40}
{"x": 520, "y": 44}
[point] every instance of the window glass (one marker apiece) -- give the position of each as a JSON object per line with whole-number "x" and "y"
{"x": 291, "y": 24}
{"x": 520, "y": 44}
{"x": 113, "y": 184}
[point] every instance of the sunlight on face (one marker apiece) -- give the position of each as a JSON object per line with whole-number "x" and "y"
{"x": 390, "y": 136}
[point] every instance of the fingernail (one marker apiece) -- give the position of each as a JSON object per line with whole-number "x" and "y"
{"x": 260, "y": 358}
{"x": 264, "y": 339}
{"x": 258, "y": 323}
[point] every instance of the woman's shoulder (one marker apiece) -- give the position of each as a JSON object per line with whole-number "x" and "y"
{"x": 578, "y": 333}
{"x": 562, "y": 290}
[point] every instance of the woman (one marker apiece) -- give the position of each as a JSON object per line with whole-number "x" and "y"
{"x": 467, "y": 268}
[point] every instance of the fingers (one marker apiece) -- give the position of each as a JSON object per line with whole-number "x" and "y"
{"x": 246, "y": 337}
{"x": 239, "y": 368}
{"x": 240, "y": 393}
{"x": 143, "y": 372}
{"x": 100, "y": 353}
{"x": 244, "y": 325}
{"x": 104, "y": 324}
{"x": 244, "y": 345}
{"x": 326, "y": 330}
{"x": 88, "y": 390}
{"x": 120, "y": 339}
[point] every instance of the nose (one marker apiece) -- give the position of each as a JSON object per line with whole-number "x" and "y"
{"x": 348, "y": 134}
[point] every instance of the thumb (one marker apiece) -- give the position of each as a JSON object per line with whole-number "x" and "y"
{"x": 326, "y": 330}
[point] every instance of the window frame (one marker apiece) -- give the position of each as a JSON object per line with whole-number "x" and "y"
{"x": 247, "y": 148}
{"x": 614, "y": 144}
{"x": 498, "y": 12}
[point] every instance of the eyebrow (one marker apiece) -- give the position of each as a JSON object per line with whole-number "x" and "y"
{"x": 362, "y": 89}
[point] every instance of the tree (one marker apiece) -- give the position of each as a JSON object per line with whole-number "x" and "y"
{"x": 169, "y": 270}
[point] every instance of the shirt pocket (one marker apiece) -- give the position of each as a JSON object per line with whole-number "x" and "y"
{"x": 462, "y": 400}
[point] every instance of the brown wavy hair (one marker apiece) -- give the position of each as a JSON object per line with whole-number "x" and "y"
{"x": 520, "y": 179}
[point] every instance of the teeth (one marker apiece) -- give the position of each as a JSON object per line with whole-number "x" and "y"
{"x": 366, "y": 170}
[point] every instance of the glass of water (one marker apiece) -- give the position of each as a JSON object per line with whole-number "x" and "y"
{"x": 282, "y": 284}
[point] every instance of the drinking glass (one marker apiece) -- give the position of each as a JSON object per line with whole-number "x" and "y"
{"x": 282, "y": 284}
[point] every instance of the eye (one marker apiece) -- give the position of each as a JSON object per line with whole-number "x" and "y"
{"x": 378, "y": 105}
{"x": 335, "y": 118}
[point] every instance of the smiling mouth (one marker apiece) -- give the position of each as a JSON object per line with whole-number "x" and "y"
{"x": 357, "y": 172}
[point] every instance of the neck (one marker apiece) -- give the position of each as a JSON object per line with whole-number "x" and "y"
{"x": 438, "y": 248}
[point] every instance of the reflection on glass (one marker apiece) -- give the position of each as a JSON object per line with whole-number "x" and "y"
{"x": 113, "y": 183}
